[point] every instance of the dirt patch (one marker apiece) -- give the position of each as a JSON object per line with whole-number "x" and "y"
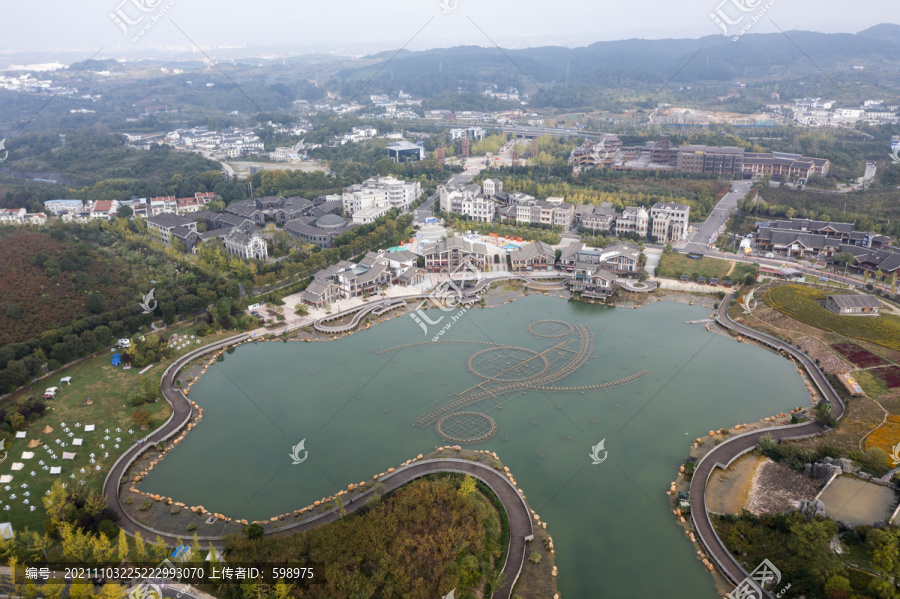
{"x": 776, "y": 488}
{"x": 728, "y": 491}
{"x": 731, "y": 269}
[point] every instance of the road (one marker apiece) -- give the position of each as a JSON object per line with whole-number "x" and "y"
{"x": 719, "y": 216}
{"x": 725, "y": 453}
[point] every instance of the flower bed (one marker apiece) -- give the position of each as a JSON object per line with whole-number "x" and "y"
{"x": 887, "y": 436}
{"x": 890, "y": 375}
{"x": 859, "y": 356}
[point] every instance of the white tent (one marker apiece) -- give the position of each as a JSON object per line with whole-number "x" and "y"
{"x": 65, "y": 379}
{"x": 55, "y": 470}
{"x": 68, "y": 455}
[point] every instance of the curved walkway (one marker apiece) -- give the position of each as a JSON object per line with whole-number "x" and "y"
{"x": 724, "y": 454}
{"x": 376, "y": 308}
{"x": 517, "y": 511}
{"x": 380, "y": 307}
{"x": 181, "y": 414}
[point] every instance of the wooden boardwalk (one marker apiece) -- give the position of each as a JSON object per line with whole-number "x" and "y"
{"x": 520, "y": 522}
{"x": 724, "y": 454}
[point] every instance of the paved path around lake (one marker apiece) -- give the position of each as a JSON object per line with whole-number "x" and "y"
{"x": 520, "y": 523}
{"x": 724, "y": 454}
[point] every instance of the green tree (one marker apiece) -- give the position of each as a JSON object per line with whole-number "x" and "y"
{"x": 254, "y": 531}
{"x": 94, "y": 303}
{"x": 140, "y": 549}
{"x": 160, "y": 549}
{"x": 124, "y": 212}
{"x": 884, "y": 549}
{"x": 809, "y": 543}
{"x": 467, "y": 487}
{"x": 53, "y": 588}
{"x": 123, "y": 546}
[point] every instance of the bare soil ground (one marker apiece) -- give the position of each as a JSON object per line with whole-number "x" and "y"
{"x": 776, "y": 488}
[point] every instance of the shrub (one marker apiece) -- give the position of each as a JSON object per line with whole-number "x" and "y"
{"x": 254, "y": 531}
{"x": 535, "y": 558}
{"x": 146, "y": 505}
{"x": 766, "y": 445}
{"x": 175, "y": 510}
{"x": 141, "y": 418}
{"x": 129, "y": 500}
{"x": 192, "y": 526}
{"x": 108, "y": 528}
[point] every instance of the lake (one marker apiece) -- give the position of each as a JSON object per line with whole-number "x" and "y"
{"x": 612, "y": 524}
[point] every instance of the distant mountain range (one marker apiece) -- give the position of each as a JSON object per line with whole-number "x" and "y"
{"x": 638, "y": 62}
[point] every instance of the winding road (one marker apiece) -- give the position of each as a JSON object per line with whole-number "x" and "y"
{"x": 520, "y": 523}
{"x": 724, "y": 454}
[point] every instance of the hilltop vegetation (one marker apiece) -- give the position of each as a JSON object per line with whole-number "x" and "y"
{"x": 417, "y": 543}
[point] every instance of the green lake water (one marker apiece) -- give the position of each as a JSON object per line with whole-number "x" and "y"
{"x": 611, "y": 523}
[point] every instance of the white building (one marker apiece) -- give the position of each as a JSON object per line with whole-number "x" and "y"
{"x": 468, "y": 201}
{"x": 670, "y": 221}
{"x": 634, "y": 220}
{"x": 492, "y": 186}
{"x": 380, "y": 192}
{"x": 246, "y": 245}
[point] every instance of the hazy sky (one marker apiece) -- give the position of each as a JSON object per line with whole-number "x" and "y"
{"x": 357, "y": 26}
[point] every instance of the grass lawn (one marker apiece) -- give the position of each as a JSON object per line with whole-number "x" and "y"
{"x": 672, "y": 266}
{"x": 802, "y": 303}
{"x": 871, "y": 384}
{"x": 108, "y": 387}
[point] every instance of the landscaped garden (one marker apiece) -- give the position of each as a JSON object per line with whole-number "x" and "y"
{"x": 803, "y": 304}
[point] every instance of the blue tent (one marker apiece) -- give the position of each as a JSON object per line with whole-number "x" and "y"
{"x": 116, "y": 360}
{"x": 181, "y": 553}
